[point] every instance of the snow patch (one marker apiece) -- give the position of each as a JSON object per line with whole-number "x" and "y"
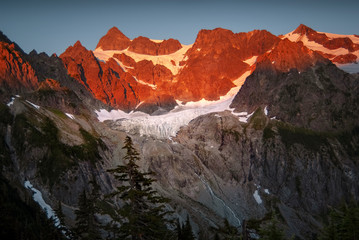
{"x": 156, "y": 40}
{"x": 165, "y": 60}
{"x": 251, "y": 61}
{"x": 266, "y": 191}
{"x": 266, "y": 110}
{"x": 11, "y": 102}
{"x": 148, "y": 84}
{"x": 37, "y": 196}
{"x": 243, "y": 116}
{"x": 70, "y": 115}
{"x": 32, "y": 104}
{"x": 257, "y": 197}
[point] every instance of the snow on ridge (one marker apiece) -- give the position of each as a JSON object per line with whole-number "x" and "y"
{"x": 165, "y": 60}
{"x": 296, "y": 37}
{"x": 37, "y": 196}
{"x": 334, "y": 35}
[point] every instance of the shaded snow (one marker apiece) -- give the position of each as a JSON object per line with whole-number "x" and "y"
{"x": 266, "y": 110}
{"x": 37, "y": 196}
{"x": 11, "y": 102}
{"x": 70, "y": 115}
{"x": 32, "y": 104}
{"x": 167, "y": 125}
{"x": 257, "y": 197}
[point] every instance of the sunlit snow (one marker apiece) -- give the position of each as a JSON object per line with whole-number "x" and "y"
{"x": 165, "y": 60}
{"x": 167, "y": 125}
{"x": 251, "y": 61}
{"x": 37, "y": 196}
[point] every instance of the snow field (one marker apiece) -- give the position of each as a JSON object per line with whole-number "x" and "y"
{"x": 167, "y": 125}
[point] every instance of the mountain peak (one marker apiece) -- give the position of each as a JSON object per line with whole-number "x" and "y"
{"x": 114, "y": 40}
{"x": 78, "y": 44}
{"x": 303, "y": 29}
{"x": 114, "y": 31}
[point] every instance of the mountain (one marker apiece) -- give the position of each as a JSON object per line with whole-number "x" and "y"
{"x": 159, "y": 72}
{"x": 236, "y": 126}
{"x": 338, "y": 48}
{"x": 16, "y": 74}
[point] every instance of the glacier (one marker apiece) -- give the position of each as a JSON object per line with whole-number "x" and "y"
{"x": 167, "y": 125}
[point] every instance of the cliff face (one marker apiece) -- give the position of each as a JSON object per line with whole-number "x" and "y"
{"x": 16, "y": 74}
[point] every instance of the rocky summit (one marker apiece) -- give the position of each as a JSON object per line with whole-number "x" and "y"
{"x": 238, "y": 129}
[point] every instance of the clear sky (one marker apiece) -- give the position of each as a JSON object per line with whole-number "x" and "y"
{"x": 51, "y": 26}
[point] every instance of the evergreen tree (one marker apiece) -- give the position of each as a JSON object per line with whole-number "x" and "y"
{"x": 342, "y": 224}
{"x": 61, "y": 223}
{"x": 143, "y": 211}
{"x": 271, "y": 231}
{"x": 227, "y": 232}
{"x": 178, "y": 229}
{"x": 86, "y": 226}
{"x": 187, "y": 233}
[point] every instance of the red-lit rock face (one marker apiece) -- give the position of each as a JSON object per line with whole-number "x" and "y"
{"x": 287, "y": 55}
{"x": 169, "y": 46}
{"x": 15, "y": 73}
{"x": 216, "y": 60}
{"x": 143, "y": 45}
{"x": 109, "y": 83}
{"x": 114, "y": 40}
{"x": 348, "y": 58}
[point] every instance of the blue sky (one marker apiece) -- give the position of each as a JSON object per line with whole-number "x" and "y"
{"x": 52, "y": 26}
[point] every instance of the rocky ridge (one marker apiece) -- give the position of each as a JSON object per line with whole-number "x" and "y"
{"x": 339, "y": 49}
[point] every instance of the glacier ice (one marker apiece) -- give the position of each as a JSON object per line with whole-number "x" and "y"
{"x": 167, "y": 125}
